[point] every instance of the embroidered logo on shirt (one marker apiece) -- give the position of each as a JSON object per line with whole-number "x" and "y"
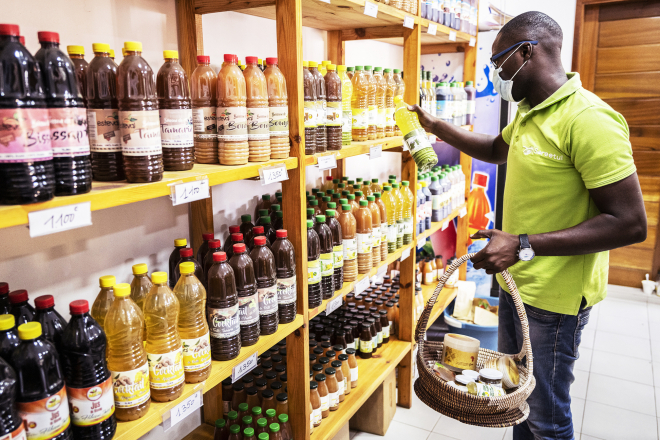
{"x": 536, "y": 150}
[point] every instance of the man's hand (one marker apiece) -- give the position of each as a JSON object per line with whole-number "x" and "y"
{"x": 500, "y": 253}
{"x": 425, "y": 118}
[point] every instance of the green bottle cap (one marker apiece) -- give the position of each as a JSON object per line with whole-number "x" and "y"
{"x": 397, "y": 70}
{"x": 332, "y": 205}
{"x": 310, "y": 224}
{"x": 387, "y": 188}
{"x": 265, "y": 197}
{"x": 335, "y": 180}
{"x": 395, "y": 185}
{"x": 234, "y": 429}
{"x": 351, "y": 197}
{"x": 343, "y": 201}
{"x": 243, "y": 407}
{"x": 263, "y": 212}
{"x": 367, "y": 67}
{"x": 346, "y": 207}
{"x": 315, "y": 190}
{"x": 276, "y": 207}
{"x": 350, "y": 69}
{"x": 232, "y": 415}
{"x": 359, "y": 179}
{"x": 256, "y": 410}
{"x": 363, "y": 203}
{"x": 387, "y": 70}
{"x": 262, "y": 423}
{"x": 270, "y": 413}
{"x": 326, "y": 199}
{"x": 283, "y": 418}
{"x": 310, "y": 211}
{"x": 264, "y": 219}
{"x": 314, "y": 202}
{"x": 405, "y": 183}
{"x": 320, "y": 218}
{"x": 351, "y": 182}
{"x": 377, "y": 69}
{"x": 371, "y": 198}
{"x": 358, "y": 68}
{"x": 341, "y": 185}
{"x": 374, "y": 180}
{"x": 220, "y": 423}
{"x": 263, "y": 435}
{"x": 274, "y": 427}
{"x": 248, "y": 432}
{"x": 330, "y": 213}
{"x": 247, "y": 420}
{"x": 359, "y": 193}
{"x": 377, "y": 195}
{"x": 329, "y": 191}
{"x": 246, "y": 218}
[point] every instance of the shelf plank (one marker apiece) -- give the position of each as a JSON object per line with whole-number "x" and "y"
{"x": 436, "y": 226}
{"x": 446, "y": 296}
{"x": 442, "y": 34}
{"x": 110, "y": 194}
{"x": 357, "y": 148}
{"x": 220, "y": 370}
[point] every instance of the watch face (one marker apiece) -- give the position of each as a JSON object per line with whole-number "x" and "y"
{"x": 526, "y": 254}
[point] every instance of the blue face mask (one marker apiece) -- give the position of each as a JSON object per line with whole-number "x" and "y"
{"x": 505, "y": 86}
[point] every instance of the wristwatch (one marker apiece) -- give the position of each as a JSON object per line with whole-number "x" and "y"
{"x": 525, "y": 253}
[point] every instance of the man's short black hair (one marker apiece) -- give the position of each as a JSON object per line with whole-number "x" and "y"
{"x": 532, "y": 25}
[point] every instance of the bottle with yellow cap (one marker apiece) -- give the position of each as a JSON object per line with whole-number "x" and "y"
{"x": 139, "y": 120}
{"x": 390, "y": 91}
{"x": 323, "y": 67}
{"x": 193, "y": 329}
{"x": 8, "y": 336}
{"x": 373, "y": 108}
{"x": 203, "y": 82}
{"x": 360, "y": 105}
{"x": 164, "y": 348}
{"x": 257, "y": 112}
{"x": 334, "y": 110}
{"x": 126, "y": 357}
{"x": 309, "y": 90}
{"x": 104, "y": 299}
{"x": 278, "y": 110}
{"x": 77, "y": 55}
{"x": 175, "y": 110}
{"x": 346, "y": 93}
{"x": 112, "y": 54}
{"x": 381, "y": 89}
{"x": 40, "y": 391}
{"x": 175, "y": 256}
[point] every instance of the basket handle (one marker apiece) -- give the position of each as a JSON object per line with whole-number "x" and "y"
{"x": 420, "y": 331}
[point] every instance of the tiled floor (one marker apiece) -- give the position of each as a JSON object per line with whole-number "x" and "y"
{"x": 617, "y": 383}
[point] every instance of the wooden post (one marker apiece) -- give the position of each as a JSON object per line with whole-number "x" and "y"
{"x": 335, "y": 47}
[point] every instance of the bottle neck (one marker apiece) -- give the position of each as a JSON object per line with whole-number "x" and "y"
{"x": 77, "y": 56}
{"x": 49, "y": 44}
{"x": 102, "y": 54}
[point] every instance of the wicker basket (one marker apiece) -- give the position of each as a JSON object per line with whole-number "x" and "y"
{"x": 507, "y": 410}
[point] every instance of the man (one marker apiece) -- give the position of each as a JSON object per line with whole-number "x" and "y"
{"x": 571, "y": 195}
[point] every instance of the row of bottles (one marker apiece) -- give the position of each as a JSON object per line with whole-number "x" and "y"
{"x": 404, "y": 5}
{"x": 456, "y": 14}
{"x": 454, "y": 103}
{"x": 439, "y": 192}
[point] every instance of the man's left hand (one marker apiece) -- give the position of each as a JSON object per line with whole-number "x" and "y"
{"x": 500, "y": 253}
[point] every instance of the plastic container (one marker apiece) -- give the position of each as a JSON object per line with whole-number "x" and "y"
{"x": 337, "y": 247}
{"x": 373, "y": 107}
{"x": 414, "y": 136}
{"x": 20, "y": 307}
{"x": 321, "y": 104}
{"x": 326, "y": 257}
{"x": 222, "y": 310}
{"x": 248, "y": 296}
{"x": 285, "y": 266}
{"x": 203, "y": 92}
{"x": 266, "y": 277}
{"x": 470, "y": 102}
{"x": 175, "y": 257}
{"x": 310, "y": 116}
{"x": 487, "y": 335}
{"x": 346, "y": 93}
{"x": 258, "y": 124}
{"x": 5, "y": 304}
{"x": 444, "y": 102}
{"x": 233, "y": 148}
{"x": 381, "y": 91}
{"x": 313, "y": 267}
{"x": 80, "y": 66}
{"x": 333, "y": 116}
{"x": 390, "y": 91}
{"x": 11, "y": 423}
{"x": 278, "y": 110}
{"x": 375, "y": 230}
{"x": 400, "y": 90}
{"x": 360, "y": 105}
{"x": 52, "y": 323}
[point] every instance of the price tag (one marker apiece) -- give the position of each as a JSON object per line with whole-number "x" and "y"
{"x": 452, "y": 35}
{"x": 325, "y": 1}
{"x": 327, "y": 162}
{"x": 382, "y": 270}
{"x": 408, "y": 22}
{"x": 376, "y": 152}
{"x": 190, "y": 191}
{"x": 63, "y": 218}
{"x": 432, "y": 29}
{"x": 371, "y": 9}
{"x": 405, "y": 254}
{"x": 473, "y": 41}
{"x": 462, "y": 212}
{"x": 334, "y": 305}
{"x": 421, "y": 242}
{"x": 244, "y": 367}
{"x": 445, "y": 225}
{"x": 361, "y": 285}
{"x": 276, "y": 173}
{"x": 185, "y": 408}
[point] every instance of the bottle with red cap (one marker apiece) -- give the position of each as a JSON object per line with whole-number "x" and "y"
{"x": 234, "y": 239}
{"x": 187, "y": 255}
{"x": 175, "y": 110}
{"x": 5, "y": 304}
{"x": 175, "y": 256}
{"x": 214, "y": 246}
{"x": 203, "y": 83}
{"x": 222, "y": 310}
{"x": 246, "y": 227}
{"x": 231, "y": 114}
{"x": 258, "y": 231}
{"x": 246, "y": 288}
{"x": 68, "y": 118}
{"x": 257, "y": 111}
{"x": 104, "y": 299}
{"x": 139, "y": 120}
{"x": 204, "y": 247}
{"x": 26, "y": 159}
{"x": 20, "y": 307}
{"x": 278, "y": 110}
{"x": 233, "y": 229}
{"x": 88, "y": 380}
{"x": 11, "y": 423}
{"x": 266, "y": 276}
{"x": 52, "y": 323}
{"x": 8, "y": 336}
{"x": 285, "y": 267}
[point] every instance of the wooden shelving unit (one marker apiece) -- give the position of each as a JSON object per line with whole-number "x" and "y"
{"x": 357, "y": 148}
{"x": 446, "y": 296}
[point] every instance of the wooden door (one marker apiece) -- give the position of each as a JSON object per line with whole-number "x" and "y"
{"x": 617, "y": 53}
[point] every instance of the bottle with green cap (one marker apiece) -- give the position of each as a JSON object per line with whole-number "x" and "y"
{"x": 313, "y": 266}
{"x": 337, "y": 248}
{"x": 248, "y": 433}
{"x": 264, "y": 203}
{"x": 104, "y": 299}
{"x": 235, "y": 432}
{"x": 364, "y": 237}
{"x": 246, "y": 225}
{"x": 8, "y": 336}
{"x": 269, "y": 230}
{"x": 326, "y": 257}
{"x": 285, "y": 426}
{"x": 275, "y": 431}
{"x": 360, "y": 104}
{"x": 262, "y": 427}
{"x": 221, "y": 432}
{"x": 246, "y": 423}
{"x": 390, "y": 207}
{"x": 383, "y": 225}
{"x": 400, "y": 90}
{"x": 279, "y": 221}
{"x": 349, "y": 242}
{"x": 398, "y": 199}
{"x": 375, "y": 230}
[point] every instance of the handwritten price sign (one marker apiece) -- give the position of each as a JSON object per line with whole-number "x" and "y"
{"x": 333, "y": 305}
{"x": 190, "y": 191}
{"x": 63, "y": 218}
{"x": 185, "y": 408}
{"x": 276, "y": 173}
{"x": 361, "y": 285}
{"x": 243, "y": 368}
{"x": 328, "y": 162}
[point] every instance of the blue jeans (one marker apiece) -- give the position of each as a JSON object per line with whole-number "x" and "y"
{"x": 555, "y": 340}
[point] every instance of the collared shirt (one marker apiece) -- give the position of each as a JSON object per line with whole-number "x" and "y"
{"x": 570, "y": 143}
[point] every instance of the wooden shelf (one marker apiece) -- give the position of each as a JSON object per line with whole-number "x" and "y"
{"x": 357, "y": 148}
{"x": 436, "y": 226}
{"x": 220, "y": 370}
{"x": 446, "y": 296}
{"x": 110, "y": 194}
{"x": 442, "y": 34}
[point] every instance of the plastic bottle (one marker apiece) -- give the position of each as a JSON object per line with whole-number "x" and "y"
{"x": 175, "y": 256}
{"x": 5, "y": 304}
{"x": 104, "y": 299}
{"x": 446, "y": 194}
{"x": 444, "y": 100}
{"x": 41, "y": 396}
{"x": 348, "y": 226}
{"x": 360, "y": 105}
{"x": 257, "y": 111}
{"x": 373, "y": 107}
{"x": 235, "y": 238}
{"x": 423, "y": 99}
{"x": 414, "y": 136}
{"x": 52, "y": 323}
{"x": 204, "y": 247}
{"x": 163, "y": 346}
{"x": 88, "y": 380}
{"x": 364, "y": 237}
{"x": 457, "y": 107}
{"x": 80, "y": 67}
{"x": 8, "y": 336}
{"x": 222, "y": 310}
{"x": 461, "y": 185}
{"x": 139, "y": 120}
{"x": 203, "y": 91}
{"x": 437, "y": 212}
{"x": 20, "y": 307}
{"x": 192, "y": 327}
{"x": 233, "y": 147}
{"x": 382, "y": 211}
{"x": 346, "y": 94}
{"x": 390, "y": 207}
{"x": 400, "y": 90}
{"x": 470, "y": 102}
{"x": 313, "y": 266}
{"x": 285, "y": 266}
{"x": 310, "y": 116}
{"x": 390, "y": 91}
{"x": 266, "y": 276}
{"x": 421, "y": 199}
{"x": 381, "y": 91}
{"x": 375, "y": 230}
{"x": 321, "y": 108}
{"x": 246, "y": 287}
{"x": 66, "y": 112}
{"x": 399, "y": 207}
{"x": 11, "y": 423}
{"x": 337, "y": 247}
{"x": 333, "y": 115}
{"x": 278, "y": 110}
{"x": 269, "y": 231}
{"x": 408, "y": 201}
{"x": 326, "y": 257}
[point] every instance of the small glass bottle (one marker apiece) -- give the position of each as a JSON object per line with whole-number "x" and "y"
{"x": 346, "y": 373}
{"x": 315, "y": 401}
{"x": 234, "y": 432}
{"x": 353, "y": 366}
{"x": 267, "y": 401}
{"x": 282, "y": 406}
{"x": 340, "y": 380}
{"x": 323, "y": 394}
{"x": 221, "y": 432}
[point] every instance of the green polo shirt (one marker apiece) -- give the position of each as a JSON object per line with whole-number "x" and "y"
{"x": 570, "y": 143}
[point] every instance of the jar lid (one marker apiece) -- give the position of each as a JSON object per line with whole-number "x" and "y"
{"x": 471, "y": 374}
{"x": 463, "y": 380}
{"x": 490, "y": 373}
{"x": 330, "y": 371}
{"x": 319, "y": 377}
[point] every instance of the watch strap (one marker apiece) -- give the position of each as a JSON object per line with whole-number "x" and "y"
{"x": 524, "y": 241}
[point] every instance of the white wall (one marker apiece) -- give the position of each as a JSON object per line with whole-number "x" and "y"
{"x": 373, "y": 53}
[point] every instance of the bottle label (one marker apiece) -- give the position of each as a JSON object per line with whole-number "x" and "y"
{"x": 232, "y": 123}
{"x": 310, "y": 114}
{"x": 392, "y": 233}
{"x": 334, "y": 114}
{"x": 258, "y": 123}
{"x": 103, "y": 129}
{"x": 441, "y": 272}
{"x": 351, "y": 344}
{"x": 196, "y": 353}
{"x": 384, "y": 230}
{"x": 342, "y": 387}
{"x": 389, "y": 116}
{"x": 334, "y": 399}
{"x": 279, "y": 121}
{"x": 68, "y": 132}
{"x": 321, "y": 110}
{"x": 436, "y": 202}
{"x": 224, "y": 323}
{"x": 375, "y": 237}
{"x": 443, "y": 110}
{"x": 364, "y": 243}
{"x": 92, "y": 405}
{"x": 386, "y": 331}
{"x": 249, "y": 309}
{"x": 338, "y": 256}
{"x": 373, "y": 115}
{"x": 314, "y": 272}
{"x": 399, "y": 230}
{"x": 408, "y": 226}
{"x": 267, "y": 300}
{"x": 45, "y": 418}
{"x": 25, "y": 135}
{"x": 366, "y": 346}
{"x": 417, "y": 140}
{"x": 205, "y": 123}
{"x": 354, "y": 374}
{"x": 317, "y": 415}
{"x": 379, "y": 335}
{"x": 176, "y": 128}
{"x": 350, "y": 248}
{"x": 166, "y": 369}
{"x": 131, "y": 388}
{"x": 286, "y": 290}
{"x": 381, "y": 118}
{"x": 327, "y": 264}
{"x": 347, "y": 121}
{"x": 360, "y": 119}
{"x": 140, "y": 133}
{"x": 470, "y": 107}
{"x": 325, "y": 403}
{"x": 18, "y": 434}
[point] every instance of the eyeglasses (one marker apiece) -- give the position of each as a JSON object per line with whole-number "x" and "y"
{"x": 520, "y": 43}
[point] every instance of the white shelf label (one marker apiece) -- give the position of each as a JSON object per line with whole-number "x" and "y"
{"x": 190, "y": 191}
{"x": 405, "y": 254}
{"x": 63, "y": 218}
{"x": 185, "y": 408}
{"x": 445, "y": 225}
{"x": 382, "y": 270}
{"x": 433, "y": 29}
{"x": 327, "y": 162}
{"x": 276, "y": 173}
{"x": 325, "y": 1}
{"x": 361, "y": 286}
{"x": 452, "y": 35}
{"x": 408, "y": 22}
{"x": 371, "y": 9}
{"x": 462, "y": 212}
{"x": 244, "y": 367}
{"x": 473, "y": 41}
{"x": 334, "y": 305}
{"x": 376, "y": 151}
{"x": 421, "y": 242}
